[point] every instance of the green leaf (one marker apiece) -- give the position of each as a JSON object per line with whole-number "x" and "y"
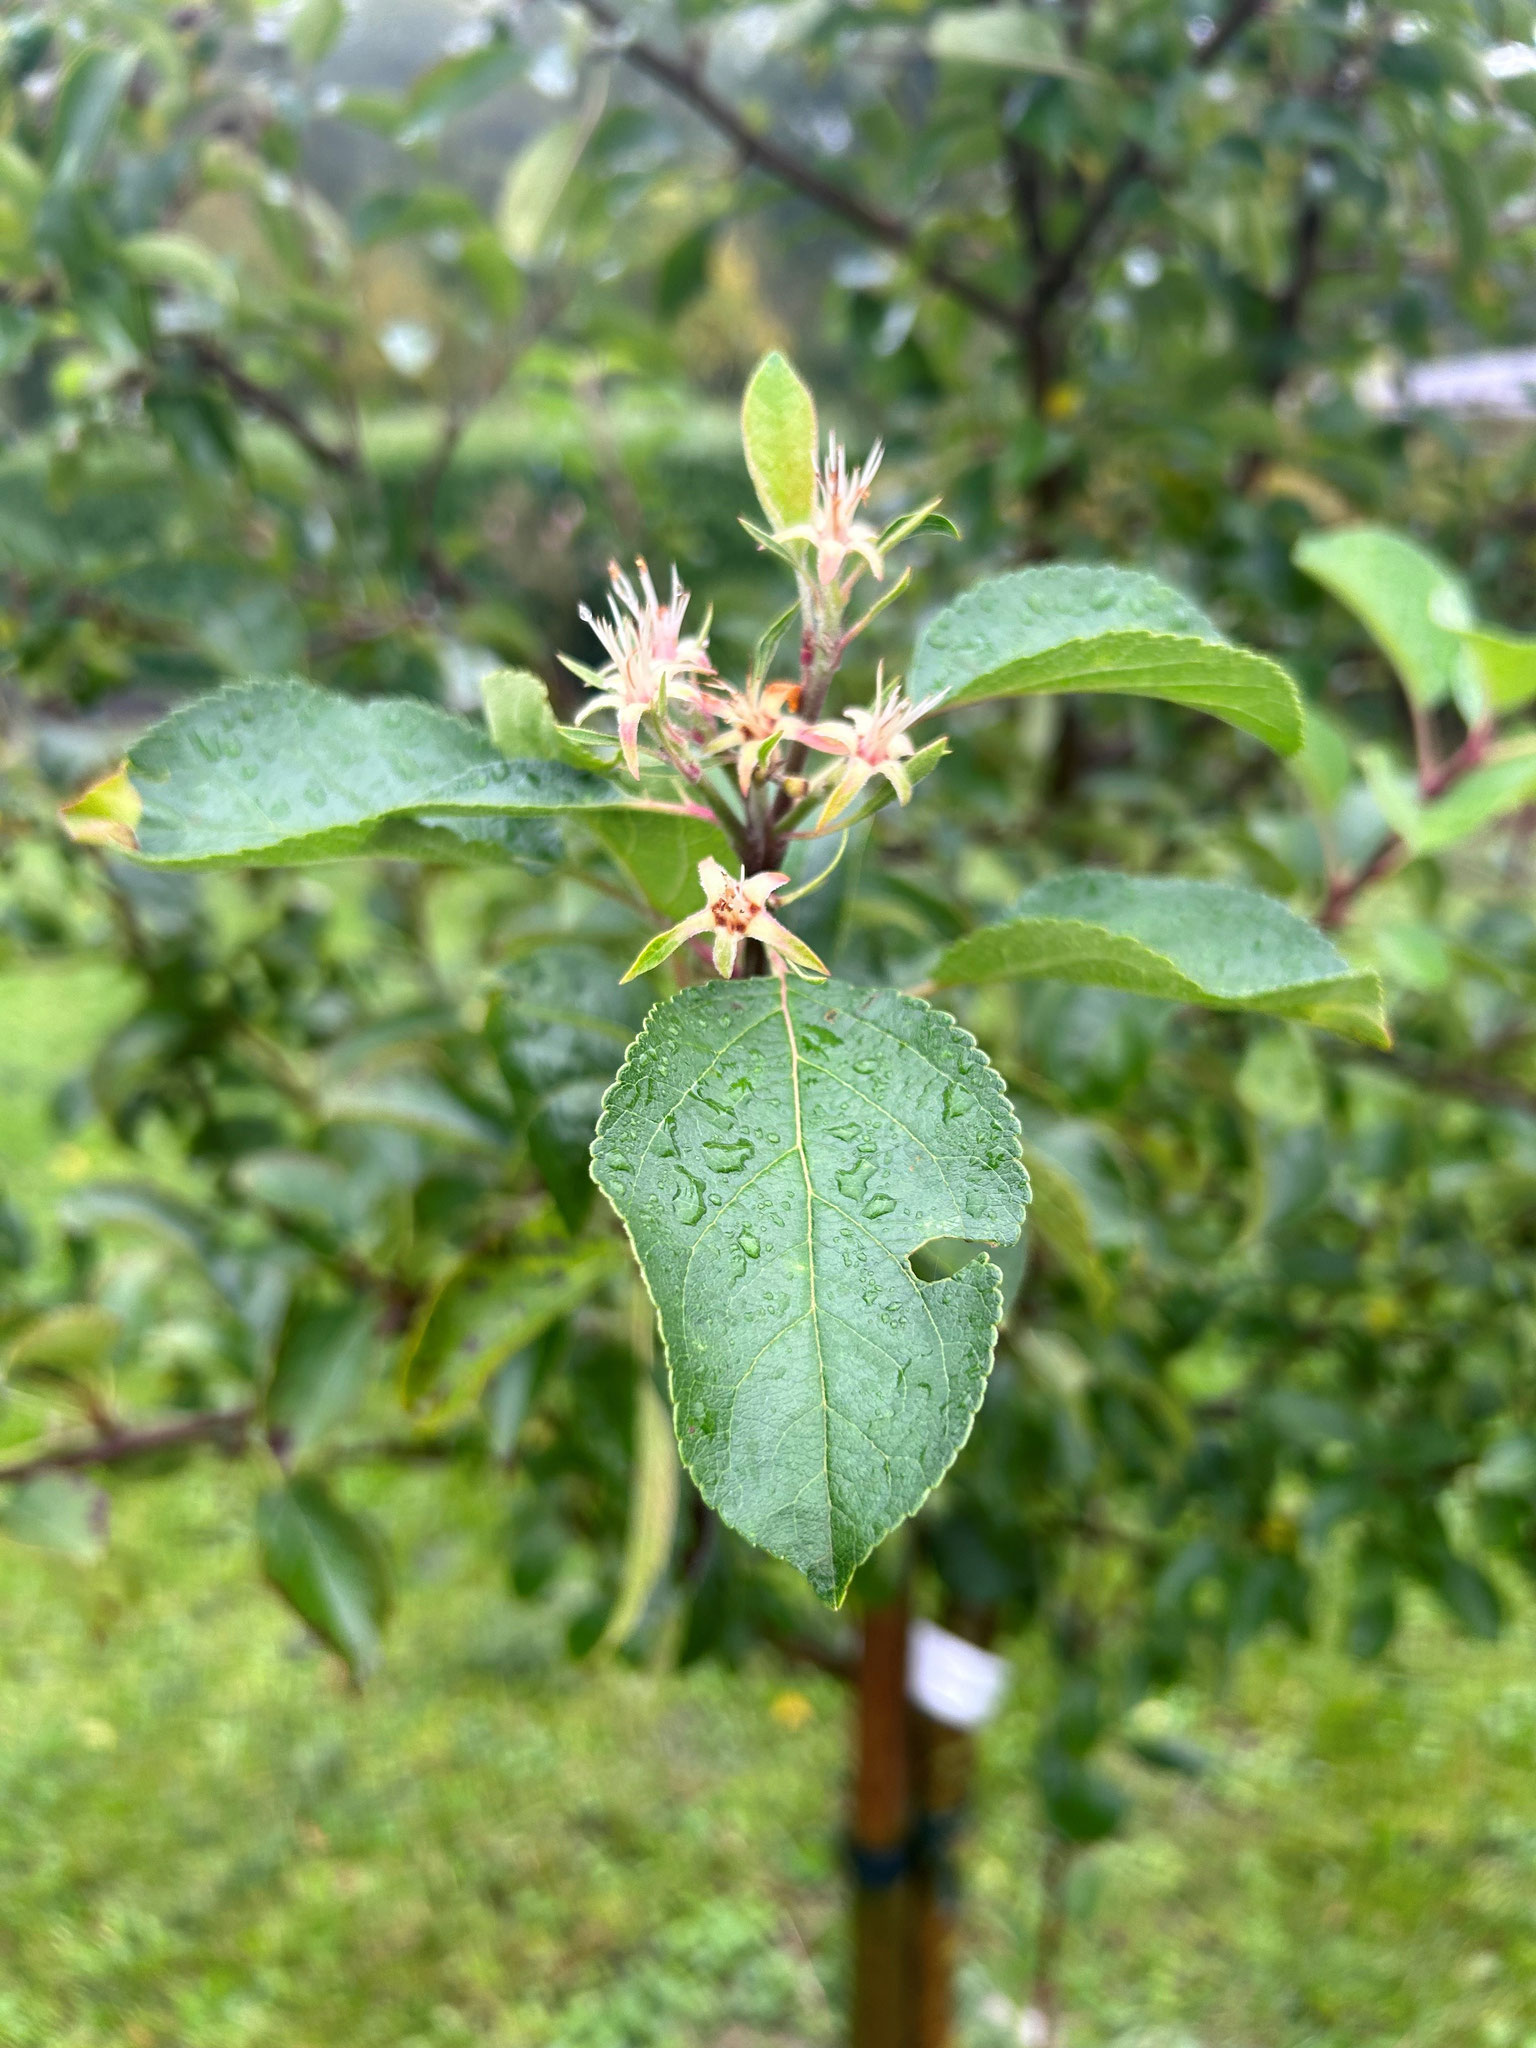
{"x": 306, "y": 1186}
{"x": 1503, "y": 663}
{"x": 536, "y": 179}
{"x": 74, "y": 1341}
{"x": 323, "y": 1368}
{"x": 86, "y": 112}
{"x": 1213, "y": 943}
{"x": 1060, "y": 1218}
{"x": 558, "y": 1026}
{"x": 777, "y": 1154}
{"x": 179, "y": 261}
{"x": 329, "y": 1565}
{"x": 410, "y": 1099}
{"x": 778, "y": 434}
{"x": 1404, "y": 596}
{"x": 1006, "y": 37}
{"x": 1079, "y": 628}
{"x": 276, "y": 773}
{"x": 1471, "y": 1597}
{"x": 134, "y": 1205}
{"x": 315, "y": 28}
{"x": 56, "y": 1512}
{"x": 488, "y": 1307}
{"x": 1505, "y": 783}
{"x": 684, "y": 271}
{"x": 20, "y": 179}
{"x": 653, "y": 1493}
{"x": 1322, "y": 764}
{"x": 456, "y": 84}
{"x": 519, "y": 716}
{"x": 660, "y": 852}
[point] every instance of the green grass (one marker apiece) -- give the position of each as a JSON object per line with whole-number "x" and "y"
{"x": 206, "y": 1841}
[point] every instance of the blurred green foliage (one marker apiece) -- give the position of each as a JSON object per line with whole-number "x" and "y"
{"x": 304, "y": 375}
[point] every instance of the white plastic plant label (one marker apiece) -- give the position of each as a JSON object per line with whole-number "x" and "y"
{"x": 952, "y": 1680}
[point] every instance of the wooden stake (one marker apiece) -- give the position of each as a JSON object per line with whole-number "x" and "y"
{"x": 943, "y": 1764}
{"x": 881, "y": 2003}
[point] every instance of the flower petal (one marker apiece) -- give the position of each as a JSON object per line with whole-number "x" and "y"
{"x": 630, "y": 716}
{"x": 852, "y": 780}
{"x": 759, "y": 887}
{"x": 779, "y": 939}
{"x": 712, "y": 877}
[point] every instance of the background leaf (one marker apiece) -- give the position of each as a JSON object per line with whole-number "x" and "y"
{"x": 558, "y": 1025}
{"x": 490, "y": 1306}
{"x": 329, "y": 1565}
{"x": 1404, "y": 597}
{"x": 324, "y": 1365}
{"x": 56, "y": 1511}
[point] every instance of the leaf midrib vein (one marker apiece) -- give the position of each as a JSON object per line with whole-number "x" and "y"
{"x": 810, "y": 1258}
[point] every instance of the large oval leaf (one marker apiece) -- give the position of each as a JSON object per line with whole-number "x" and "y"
{"x": 1212, "y": 943}
{"x": 777, "y": 1154}
{"x": 1065, "y": 627}
{"x": 270, "y": 773}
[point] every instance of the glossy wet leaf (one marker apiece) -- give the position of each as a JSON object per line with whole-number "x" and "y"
{"x": 1404, "y": 596}
{"x": 558, "y": 1025}
{"x": 1213, "y": 943}
{"x": 777, "y": 1154}
{"x": 329, "y": 1565}
{"x": 1065, "y": 627}
{"x": 270, "y": 773}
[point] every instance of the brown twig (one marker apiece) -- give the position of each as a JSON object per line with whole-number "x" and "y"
{"x": 272, "y": 405}
{"x": 1133, "y": 163}
{"x": 681, "y": 78}
{"x": 1434, "y": 779}
{"x": 229, "y": 1425}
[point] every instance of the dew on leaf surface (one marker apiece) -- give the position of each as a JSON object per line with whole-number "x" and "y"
{"x": 687, "y": 1196}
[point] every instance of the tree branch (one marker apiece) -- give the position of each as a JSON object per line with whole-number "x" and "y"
{"x": 1434, "y": 780}
{"x": 682, "y": 80}
{"x": 1133, "y": 163}
{"x": 272, "y": 405}
{"x": 229, "y": 1425}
